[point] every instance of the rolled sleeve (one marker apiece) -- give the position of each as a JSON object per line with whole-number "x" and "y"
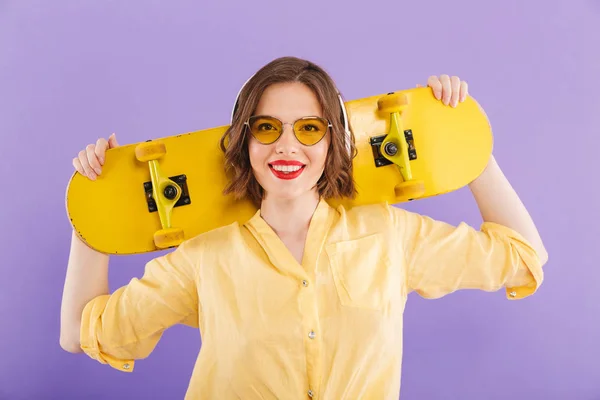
{"x": 91, "y": 321}
{"x": 441, "y": 258}
{"x": 126, "y": 325}
{"x": 528, "y": 274}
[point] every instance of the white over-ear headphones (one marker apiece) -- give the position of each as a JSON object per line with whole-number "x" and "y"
{"x": 342, "y": 106}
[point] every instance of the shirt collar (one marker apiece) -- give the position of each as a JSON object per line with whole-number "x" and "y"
{"x": 320, "y": 224}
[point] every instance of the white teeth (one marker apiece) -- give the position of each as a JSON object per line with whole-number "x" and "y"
{"x": 286, "y": 168}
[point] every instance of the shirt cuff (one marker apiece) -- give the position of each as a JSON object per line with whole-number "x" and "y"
{"x": 90, "y": 317}
{"x": 529, "y": 260}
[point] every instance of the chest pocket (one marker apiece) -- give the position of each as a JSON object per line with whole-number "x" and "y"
{"x": 362, "y": 272}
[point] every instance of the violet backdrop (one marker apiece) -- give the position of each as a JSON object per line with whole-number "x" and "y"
{"x": 73, "y": 71}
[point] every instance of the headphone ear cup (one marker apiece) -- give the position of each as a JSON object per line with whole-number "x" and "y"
{"x": 235, "y": 107}
{"x": 237, "y": 99}
{"x": 346, "y": 124}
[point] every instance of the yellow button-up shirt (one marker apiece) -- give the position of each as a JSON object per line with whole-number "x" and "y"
{"x": 330, "y": 328}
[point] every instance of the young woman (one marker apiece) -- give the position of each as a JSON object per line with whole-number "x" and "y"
{"x": 303, "y": 300}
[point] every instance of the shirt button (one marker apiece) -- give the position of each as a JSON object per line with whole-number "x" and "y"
{"x": 305, "y": 283}
{"x": 310, "y": 393}
{"x": 513, "y": 294}
{"x": 312, "y": 334}
{"x": 125, "y": 366}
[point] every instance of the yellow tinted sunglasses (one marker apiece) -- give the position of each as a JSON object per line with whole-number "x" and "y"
{"x": 308, "y": 130}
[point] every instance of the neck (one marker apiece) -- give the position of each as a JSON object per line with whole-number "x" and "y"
{"x": 289, "y": 217}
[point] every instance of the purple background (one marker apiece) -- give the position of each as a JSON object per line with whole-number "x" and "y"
{"x": 72, "y": 71}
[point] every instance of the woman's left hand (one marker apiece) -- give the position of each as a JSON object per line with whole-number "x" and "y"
{"x": 450, "y": 90}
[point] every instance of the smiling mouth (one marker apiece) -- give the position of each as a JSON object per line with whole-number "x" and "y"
{"x": 287, "y": 172}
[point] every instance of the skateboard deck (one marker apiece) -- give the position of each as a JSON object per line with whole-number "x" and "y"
{"x": 153, "y": 195}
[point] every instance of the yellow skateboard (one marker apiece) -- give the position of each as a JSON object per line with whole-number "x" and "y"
{"x": 153, "y": 195}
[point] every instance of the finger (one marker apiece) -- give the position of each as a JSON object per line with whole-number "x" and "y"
{"x": 464, "y": 91}
{"x": 93, "y": 159}
{"x": 112, "y": 141}
{"x": 434, "y": 83}
{"x": 100, "y": 150}
{"x": 77, "y": 166}
{"x": 446, "y": 88}
{"x": 455, "y": 89}
{"x": 83, "y": 159}
{"x": 419, "y": 85}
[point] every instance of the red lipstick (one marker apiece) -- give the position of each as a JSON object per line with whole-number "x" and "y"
{"x": 283, "y": 174}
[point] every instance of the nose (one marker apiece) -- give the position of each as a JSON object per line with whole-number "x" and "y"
{"x": 287, "y": 143}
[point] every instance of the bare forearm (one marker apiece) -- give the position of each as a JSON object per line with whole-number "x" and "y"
{"x": 86, "y": 278}
{"x": 498, "y": 202}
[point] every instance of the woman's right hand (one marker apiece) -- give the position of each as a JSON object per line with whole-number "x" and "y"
{"x": 90, "y": 160}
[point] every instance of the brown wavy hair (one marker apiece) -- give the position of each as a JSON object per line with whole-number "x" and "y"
{"x": 337, "y": 179}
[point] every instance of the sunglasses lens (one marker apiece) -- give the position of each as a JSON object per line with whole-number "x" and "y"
{"x": 265, "y": 129}
{"x": 310, "y": 130}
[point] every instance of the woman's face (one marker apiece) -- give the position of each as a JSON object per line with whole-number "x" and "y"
{"x": 287, "y": 169}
